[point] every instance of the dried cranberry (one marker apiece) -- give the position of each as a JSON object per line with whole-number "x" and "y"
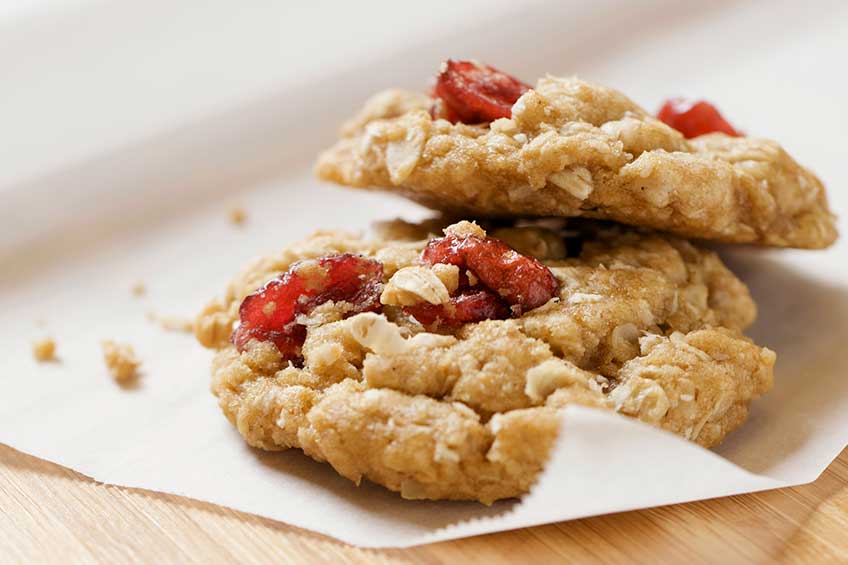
{"x": 473, "y": 93}
{"x": 694, "y": 118}
{"x": 271, "y": 313}
{"x": 509, "y": 283}
{"x": 445, "y": 250}
{"x": 469, "y": 306}
{"x": 523, "y": 282}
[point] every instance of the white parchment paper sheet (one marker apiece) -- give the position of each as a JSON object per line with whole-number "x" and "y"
{"x": 154, "y": 209}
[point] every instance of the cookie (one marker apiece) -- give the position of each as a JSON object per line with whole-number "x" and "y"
{"x": 437, "y": 366}
{"x": 573, "y": 148}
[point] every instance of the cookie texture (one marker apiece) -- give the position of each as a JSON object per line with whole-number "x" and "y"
{"x": 643, "y": 324}
{"x": 573, "y": 148}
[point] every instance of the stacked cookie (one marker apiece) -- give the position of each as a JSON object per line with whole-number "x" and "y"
{"x": 434, "y": 358}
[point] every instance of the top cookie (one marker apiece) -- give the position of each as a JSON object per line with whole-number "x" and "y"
{"x": 573, "y": 148}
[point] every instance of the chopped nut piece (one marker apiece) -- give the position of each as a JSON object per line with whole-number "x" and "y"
{"x": 121, "y": 360}
{"x": 376, "y": 333}
{"x": 44, "y": 350}
{"x": 504, "y": 125}
{"x": 448, "y": 274}
{"x": 413, "y": 285}
{"x": 464, "y": 228}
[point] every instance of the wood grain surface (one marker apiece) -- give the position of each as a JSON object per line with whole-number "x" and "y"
{"x": 54, "y": 515}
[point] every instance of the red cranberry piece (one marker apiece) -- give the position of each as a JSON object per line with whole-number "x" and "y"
{"x": 270, "y": 313}
{"x": 469, "y": 306}
{"x": 509, "y": 283}
{"x": 694, "y": 118}
{"x": 523, "y": 282}
{"x": 473, "y": 93}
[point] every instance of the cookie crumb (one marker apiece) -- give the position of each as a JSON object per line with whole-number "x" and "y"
{"x": 44, "y": 350}
{"x": 138, "y": 289}
{"x": 238, "y": 216}
{"x": 121, "y": 360}
{"x": 172, "y": 323}
{"x": 465, "y": 229}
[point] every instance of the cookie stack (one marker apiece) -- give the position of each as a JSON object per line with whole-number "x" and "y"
{"x": 434, "y": 358}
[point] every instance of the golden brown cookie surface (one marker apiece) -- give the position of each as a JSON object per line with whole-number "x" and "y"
{"x": 574, "y": 148}
{"x": 643, "y": 324}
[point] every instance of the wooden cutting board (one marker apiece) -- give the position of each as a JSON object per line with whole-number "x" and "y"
{"x": 52, "y": 514}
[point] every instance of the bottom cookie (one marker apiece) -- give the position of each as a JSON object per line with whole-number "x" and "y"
{"x": 380, "y": 356}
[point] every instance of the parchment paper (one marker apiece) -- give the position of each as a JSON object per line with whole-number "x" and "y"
{"x": 156, "y": 211}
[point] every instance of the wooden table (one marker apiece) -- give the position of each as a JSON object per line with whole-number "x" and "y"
{"x": 52, "y": 514}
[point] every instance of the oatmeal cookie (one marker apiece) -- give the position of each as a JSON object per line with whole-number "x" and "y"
{"x": 573, "y": 148}
{"x": 412, "y": 381}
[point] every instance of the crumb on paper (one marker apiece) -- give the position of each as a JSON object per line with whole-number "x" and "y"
{"x": 121, "y": 360}
{"x": 172, "y": 323}
{"x": 238, "y": 216}
{"x": 44, "y": 350}
{"x": 138, "y": 289}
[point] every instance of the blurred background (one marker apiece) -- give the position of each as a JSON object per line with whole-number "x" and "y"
{"x": 129, "y": 129}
